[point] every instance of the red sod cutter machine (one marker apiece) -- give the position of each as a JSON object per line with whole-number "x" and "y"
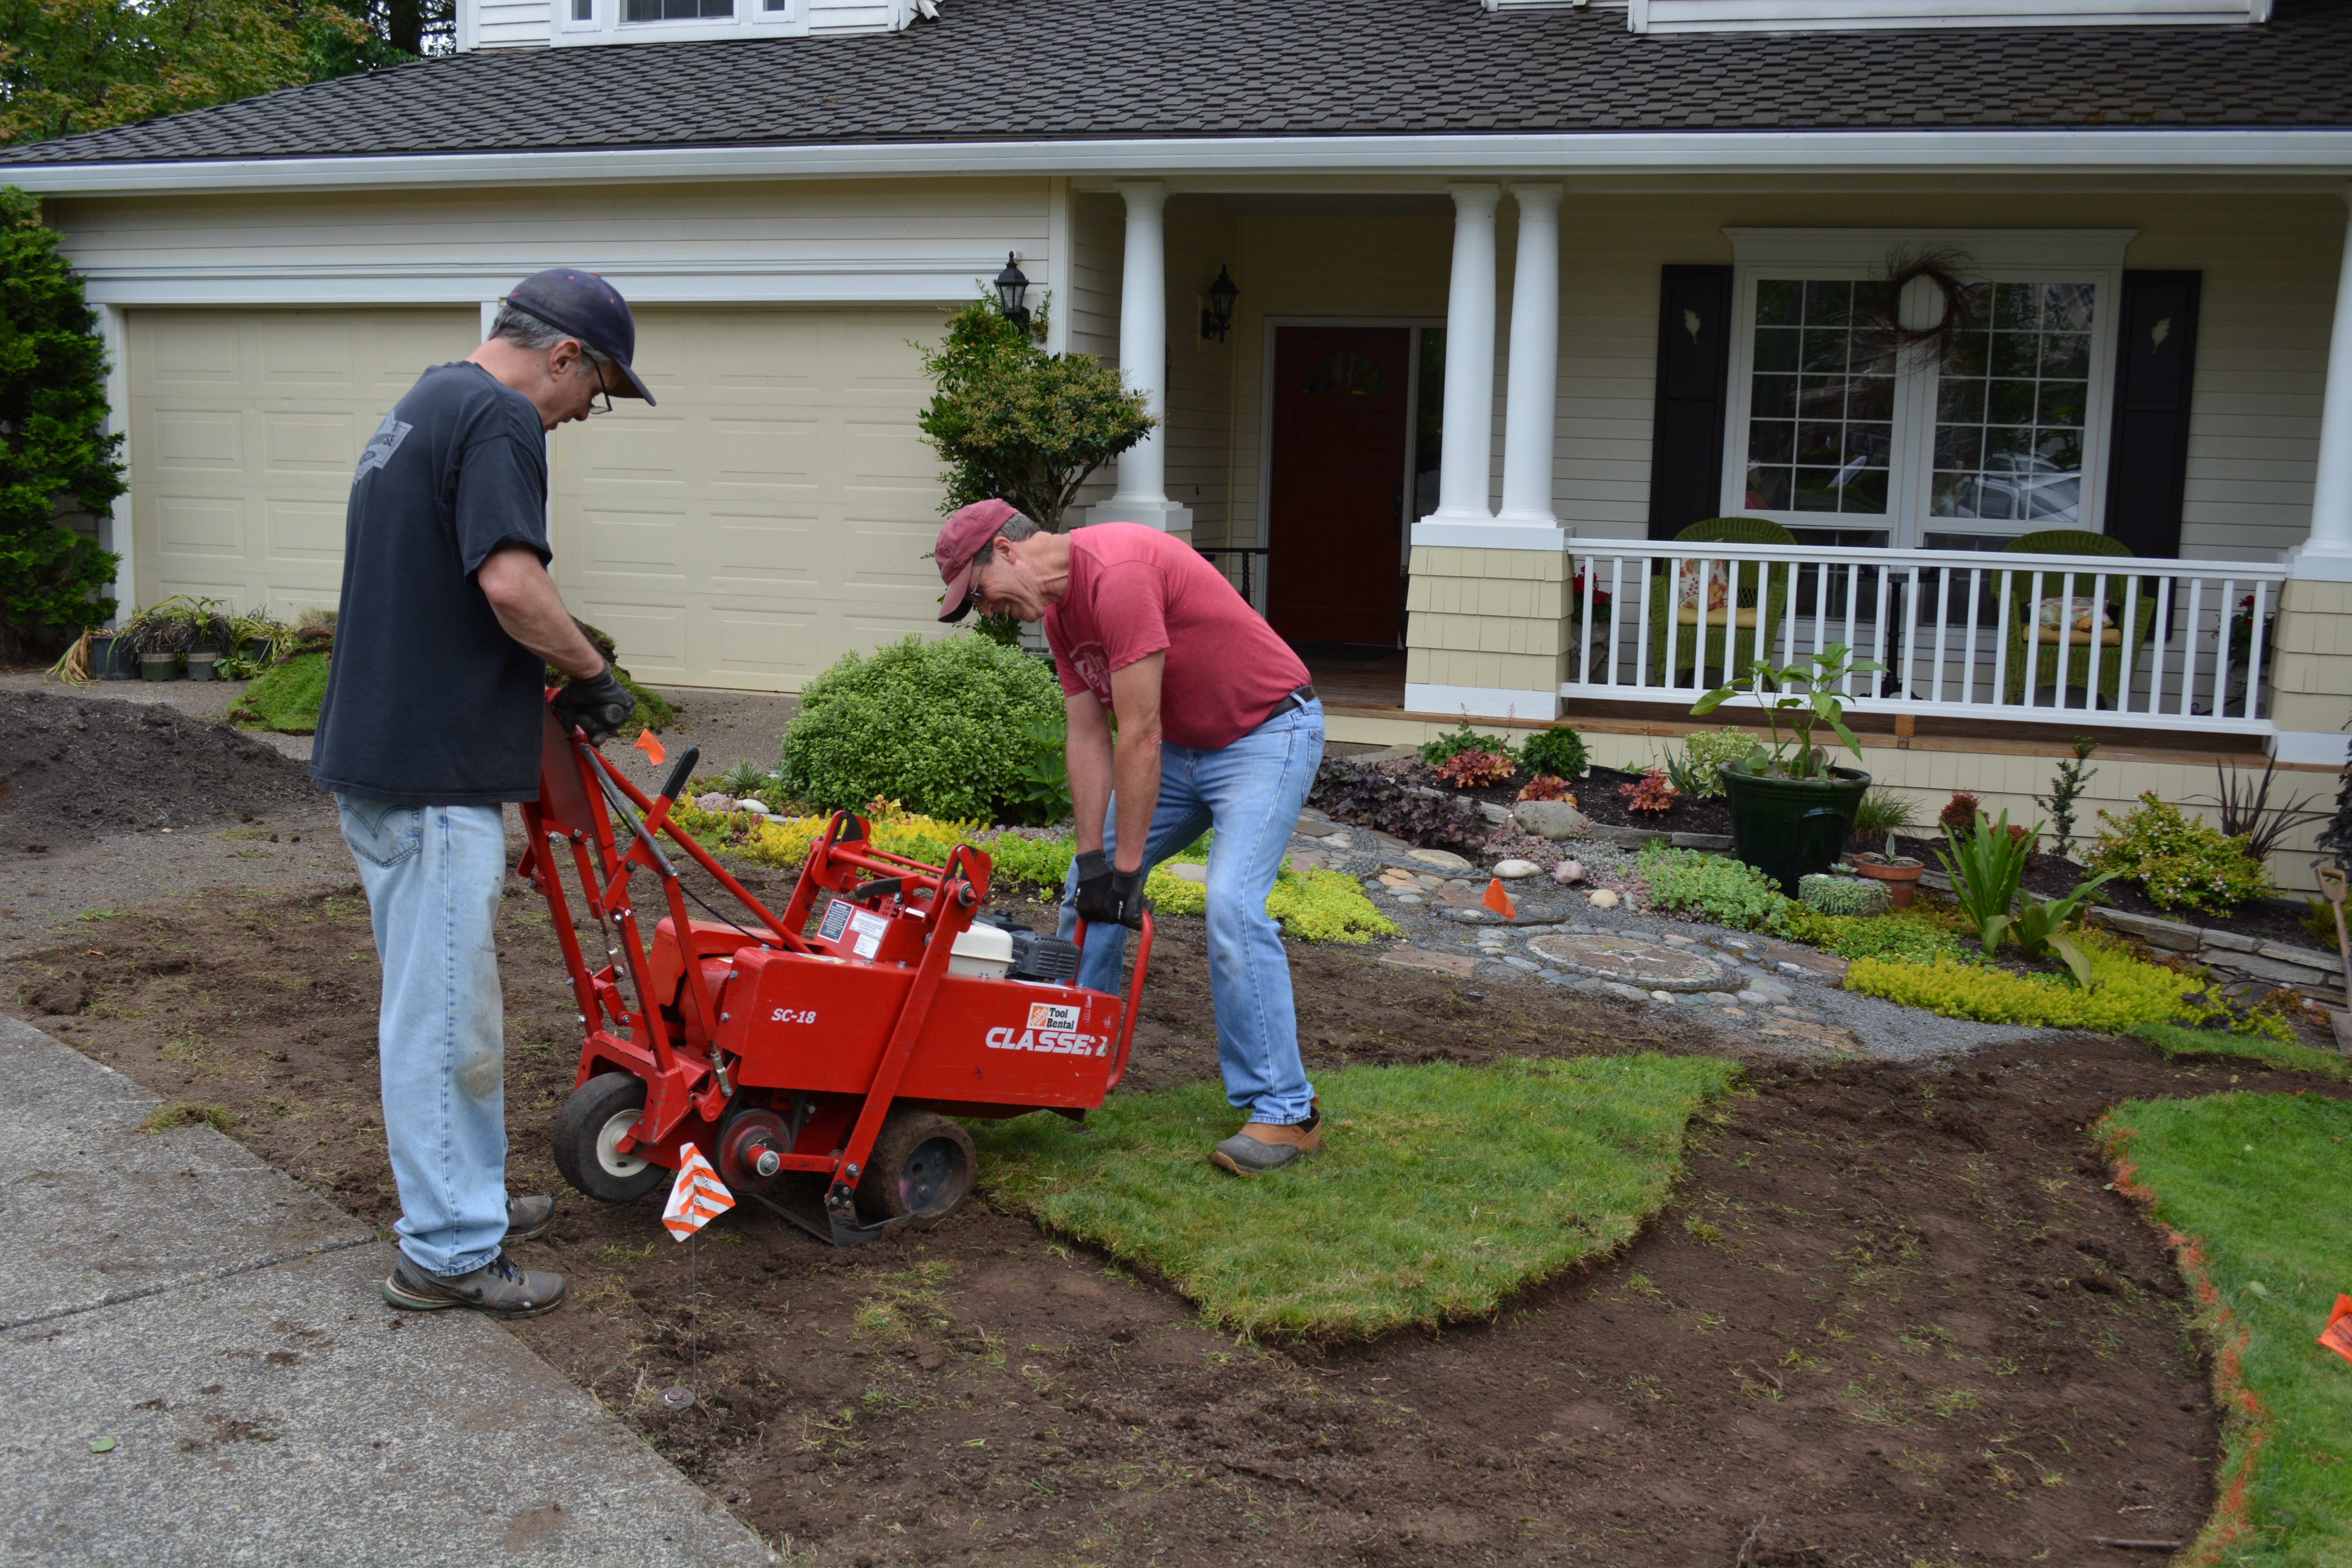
{"x": 840, "y": 1054}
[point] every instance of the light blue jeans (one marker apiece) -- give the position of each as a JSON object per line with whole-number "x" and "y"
{"x": 433, "y": 875}
{"x": 1250, "y": 792}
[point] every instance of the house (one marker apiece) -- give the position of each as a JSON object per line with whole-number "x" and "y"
{"x": 1524, "y": 289}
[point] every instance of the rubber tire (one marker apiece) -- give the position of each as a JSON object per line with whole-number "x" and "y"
{"x": 588, "y": 1111}
{"x": 884, "y": 1190}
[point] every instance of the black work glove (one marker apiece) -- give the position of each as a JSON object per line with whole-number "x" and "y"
{"x": 1097, "y": 897}
{"x": 598, "y": 705}
{"x": 1126, "y": 887}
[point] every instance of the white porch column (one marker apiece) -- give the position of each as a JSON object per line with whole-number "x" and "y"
{"x": 1142, "y": 494}
{"x": 2326, "y": 555}
{"x": 1534, "y": 390}
{"x": 1464, "y": 464}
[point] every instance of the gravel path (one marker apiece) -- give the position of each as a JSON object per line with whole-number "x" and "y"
{"x": 1776, "y": 996}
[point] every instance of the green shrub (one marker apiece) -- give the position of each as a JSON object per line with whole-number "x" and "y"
{"x": 1706, "y": 751}
{"x": 1883, "y": 811}
{"x": 1904, "y": 934}
{"x": 1557, "y": 751}
{"x": 2124, "y": 993}
{"x": 1725, "y": 891}
{"x": 1843, "y": 895}
{"x": 2179, "y": 862}
{"x": 1460, "y": 738}
{"x": 941, "y": 725}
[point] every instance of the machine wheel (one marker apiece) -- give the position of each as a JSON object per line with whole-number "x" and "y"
{"x": 597, "y": 1116}
{"x": 922, "y": 1164}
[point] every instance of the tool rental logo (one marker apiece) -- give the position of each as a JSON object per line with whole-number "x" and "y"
{"x": 1053, "y": 1031}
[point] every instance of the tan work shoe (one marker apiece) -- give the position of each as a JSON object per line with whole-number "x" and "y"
{"x": 498, "y": 1287}
{"x": 1263, "y": 1146}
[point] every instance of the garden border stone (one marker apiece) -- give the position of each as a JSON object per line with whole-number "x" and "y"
{"x": 2240, "y": 961}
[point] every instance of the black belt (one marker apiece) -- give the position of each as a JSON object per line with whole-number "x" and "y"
{"x": 1303, "y": 696}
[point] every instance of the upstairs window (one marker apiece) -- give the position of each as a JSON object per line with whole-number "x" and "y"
{"x": 1961, "y": 409}
{"x": 677, "y": 10}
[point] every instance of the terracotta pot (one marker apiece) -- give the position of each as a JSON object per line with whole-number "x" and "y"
{"x": 1901, "y": 875}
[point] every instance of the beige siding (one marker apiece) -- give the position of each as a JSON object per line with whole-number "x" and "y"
{"x": 1200, "y": 239}
{"x": 499, "y": 233}
{"x": 245, "y": 425}
{"x": 1098, "y": 251}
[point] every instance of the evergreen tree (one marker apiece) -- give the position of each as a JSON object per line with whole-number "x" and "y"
{"x": 54, "y": 449}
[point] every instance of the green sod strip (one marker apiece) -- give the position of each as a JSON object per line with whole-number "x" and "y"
{"x": 2178, "y": 1039}
{"x": 285, "y": 697}
{"x": 1439, "y": 1190}
{"x": 2251, "y": 1186}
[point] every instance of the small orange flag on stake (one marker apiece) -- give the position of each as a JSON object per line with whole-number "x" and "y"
{"x": 650, "y": 744}
{"x": 1498, "y": 901}
{"x": 2337, "y": 1335}
{"x": 697, "y": 1197}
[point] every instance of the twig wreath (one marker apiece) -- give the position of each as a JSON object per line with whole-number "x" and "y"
{"x": 1879, "y": 328}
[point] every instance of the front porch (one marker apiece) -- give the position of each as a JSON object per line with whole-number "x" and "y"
{"x": 1452, "y": 432}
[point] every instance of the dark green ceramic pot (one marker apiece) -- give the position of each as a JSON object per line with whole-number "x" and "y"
{"x": 1790, "y": 828}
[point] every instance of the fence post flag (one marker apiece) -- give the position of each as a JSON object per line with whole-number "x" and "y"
{"x": 1498, "y": 901}
{"x": 697, "y": 1197}
{"x": 651, "y": 746}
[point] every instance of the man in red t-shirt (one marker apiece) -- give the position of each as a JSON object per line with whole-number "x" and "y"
{"x": 1218, "y": 728}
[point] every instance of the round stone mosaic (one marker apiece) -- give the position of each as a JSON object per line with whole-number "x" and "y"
{"x": 1652, "y": 966}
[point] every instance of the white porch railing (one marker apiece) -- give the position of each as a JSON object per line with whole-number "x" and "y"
{"x": 2106, "y": 640}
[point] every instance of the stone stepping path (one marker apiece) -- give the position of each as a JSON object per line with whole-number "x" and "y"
{"x": 1648, "y": 965}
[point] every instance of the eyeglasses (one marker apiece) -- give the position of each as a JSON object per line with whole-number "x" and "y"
{"x": 973, "y": 598}
{"x": 602, "y": 390}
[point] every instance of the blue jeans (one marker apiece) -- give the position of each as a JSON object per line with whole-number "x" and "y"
{"x": 433, "y": 875}
{"x": 1250, "y": 792}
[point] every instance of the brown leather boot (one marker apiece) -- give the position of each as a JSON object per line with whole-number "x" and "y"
{"x": 1263, "y": 1146}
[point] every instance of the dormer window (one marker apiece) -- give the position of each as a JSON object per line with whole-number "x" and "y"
{"x": 676, "y": 10}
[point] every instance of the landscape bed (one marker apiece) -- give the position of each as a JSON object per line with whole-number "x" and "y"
{"x": 1889, "y": 1315}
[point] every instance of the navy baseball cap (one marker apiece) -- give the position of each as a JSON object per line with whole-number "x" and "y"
{"x": 579, "y": 303}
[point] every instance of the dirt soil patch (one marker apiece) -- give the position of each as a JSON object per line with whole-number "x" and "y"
{"x": 76, "y": 769}
{"x": 1893, "y": 1316}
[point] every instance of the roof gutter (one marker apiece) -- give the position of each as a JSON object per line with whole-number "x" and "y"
{"x": 1943, "y": 150}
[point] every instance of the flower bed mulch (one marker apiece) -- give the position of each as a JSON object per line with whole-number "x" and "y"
{"x": 1596, "y": 796}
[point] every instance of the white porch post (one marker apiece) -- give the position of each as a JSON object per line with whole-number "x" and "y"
{"x": 1466, "y": 461}
{"x": 1142, "y": 494}
{"x": 2311, "y": 670}
{"x": 1534, "y": 390}
{"x": 1485, "y": 628}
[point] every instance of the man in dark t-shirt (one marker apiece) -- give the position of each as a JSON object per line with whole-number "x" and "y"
{"x": 431, "y": 724}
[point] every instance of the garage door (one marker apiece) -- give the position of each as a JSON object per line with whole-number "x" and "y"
{"x": 245, "y": 425}
{"x": 774, "y": 510}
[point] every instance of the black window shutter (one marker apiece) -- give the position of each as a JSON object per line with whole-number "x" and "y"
{"x": 2156, "y": 368}
{"x": 1694, "y": 365}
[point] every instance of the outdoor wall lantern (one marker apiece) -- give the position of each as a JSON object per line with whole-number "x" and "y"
{"x": 1010, "y": 285}
{"x": 1219, "y": 317}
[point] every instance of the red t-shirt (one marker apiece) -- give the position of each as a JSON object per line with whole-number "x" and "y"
{"x": 1135, "y": 592}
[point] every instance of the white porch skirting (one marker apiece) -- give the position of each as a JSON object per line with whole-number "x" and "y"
{"x": 1483, "y": 702}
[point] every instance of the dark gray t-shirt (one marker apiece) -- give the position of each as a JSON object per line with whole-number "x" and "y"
{"x": 429, "y": 701}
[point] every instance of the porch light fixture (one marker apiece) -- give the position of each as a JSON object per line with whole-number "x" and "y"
{"x": 1010, "y": 285}
{"x": 1219, "y": 317}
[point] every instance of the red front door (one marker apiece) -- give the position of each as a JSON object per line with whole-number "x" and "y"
{"x": 1335, "y": 545}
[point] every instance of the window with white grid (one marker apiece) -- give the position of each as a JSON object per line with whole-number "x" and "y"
{"x": 1843, "y": 417}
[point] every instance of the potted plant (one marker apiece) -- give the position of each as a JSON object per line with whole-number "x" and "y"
{"x": 157, "y": 637}
{"x": 1792, "y": 811}
{"x": 1900, "y": 873}
{"x": 211, "y": 635}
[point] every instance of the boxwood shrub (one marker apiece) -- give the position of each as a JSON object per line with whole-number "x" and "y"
{"x": 939, "y": 725}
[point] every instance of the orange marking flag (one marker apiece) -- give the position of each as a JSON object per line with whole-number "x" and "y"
{"x": 697, "y": 1197}
{"x": 650, "y": 744}
{"x": 1498, "y": 901}
{"x": 2337, "y": 1335}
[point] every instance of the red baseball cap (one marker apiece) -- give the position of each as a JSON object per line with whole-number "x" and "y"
{"x": 966, "y": 529}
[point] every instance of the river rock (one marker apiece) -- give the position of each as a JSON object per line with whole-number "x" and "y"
{"x": 1605, "y": 898}
{"x": 1552, "y": 820}
{"x": 757, "y": 808}
{"x": 1511, "y": 870}
{"x": 1188, "y": 871}
{"x": 1568, "y": 871}
{"x": 714, "y": 801}
{"x": 1444, "y": 859}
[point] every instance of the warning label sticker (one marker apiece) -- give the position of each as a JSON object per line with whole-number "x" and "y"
{"x": 869, "y": 927}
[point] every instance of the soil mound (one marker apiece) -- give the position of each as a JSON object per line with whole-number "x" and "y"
{"x": 76, "y": 769}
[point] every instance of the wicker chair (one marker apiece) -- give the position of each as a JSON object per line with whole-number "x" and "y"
{"x": 2064, "y": 588}
{"x": 1737, "y": 619}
